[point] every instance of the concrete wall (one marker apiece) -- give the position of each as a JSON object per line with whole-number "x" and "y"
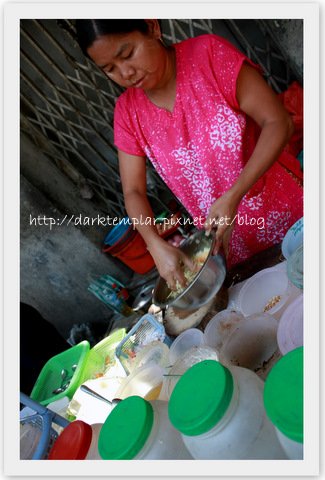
{"x": 57, "y": 264}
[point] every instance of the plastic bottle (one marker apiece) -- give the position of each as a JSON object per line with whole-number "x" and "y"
{"x": 221, "y": 415}
{"x": 78, "y": 441}
{"x": 140, "y": 430}
{"x": 283, "y": 400}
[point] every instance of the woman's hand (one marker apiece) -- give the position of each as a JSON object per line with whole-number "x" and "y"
{"x": 221, "y": 218}
{"x": 170, "y": 262}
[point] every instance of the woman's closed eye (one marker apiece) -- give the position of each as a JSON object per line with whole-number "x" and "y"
{"x": 128, "y": 55}
{"x": 108, "y": 70}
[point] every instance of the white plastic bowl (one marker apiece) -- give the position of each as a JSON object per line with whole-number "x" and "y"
{"x": 193, "y": 337}
{"x": 291, "y": 331}
{"x": 220, "y": 327}
{"x": 145, "y": 381}
{"x": 252, "y": 343}
{"x": 260, "y": 289}
{"x": 293, "y": 238}
{"x": 155, "y": 352}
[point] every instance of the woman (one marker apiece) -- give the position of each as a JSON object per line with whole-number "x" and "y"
{"x": 193, "y": 109}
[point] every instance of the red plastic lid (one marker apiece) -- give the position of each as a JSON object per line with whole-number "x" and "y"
{"x": 73, "y": 443}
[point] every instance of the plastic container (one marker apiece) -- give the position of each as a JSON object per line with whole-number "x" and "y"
{"x": 187, "y": 360}
{"x": 85, "y": 363}
{"x": 293, "y": 238}
{"x": 221, "y": 416}
{"x": 106, "y": 347}
{"x": 283, "y": 400}
{"x": 252, "y": 343}
{"x": 145, "y": 381}
{"x": 133, "y": 252}
{"x": 140, "y": 430}
{"x": 78, "y": 441}
{"x": 155, "y": 352}
{"x": 295, "y": 267}
{"x": 118, "y": 231}
{"x": 125, "y": 238}
{"x": 262, "y": 290}
{"x": 290, "y": 333}
{"x": 30, "y": 435}
{"x": 145, "y": 331}
{"x": 193, "y": 337}
{"x": 220, "y": 327}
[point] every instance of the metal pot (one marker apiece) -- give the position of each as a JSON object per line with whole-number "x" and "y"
{"x": 205, "y": 284}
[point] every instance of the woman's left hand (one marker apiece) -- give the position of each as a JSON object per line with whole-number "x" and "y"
{"x": 221, "y": 218}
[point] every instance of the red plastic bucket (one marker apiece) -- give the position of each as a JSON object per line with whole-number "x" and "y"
{"x": 121, "y": 243}
{"x": 133, "y": 253}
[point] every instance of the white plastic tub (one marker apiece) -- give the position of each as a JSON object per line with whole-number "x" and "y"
{"x": 252, "y": 343}
{"x": 145, "y": 381}
{"x": 220, "y": 327}
{"x": 290, "y": 333}
{"x": 193, "y": 337}
{"x": 260, "y": 290}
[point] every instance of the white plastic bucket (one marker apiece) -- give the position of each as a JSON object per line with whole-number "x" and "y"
{"x": 290, "y": 331}
{"x": 252, "y": 343}
{"x": 193, "y": 337}
{"x": 263, "y": 289}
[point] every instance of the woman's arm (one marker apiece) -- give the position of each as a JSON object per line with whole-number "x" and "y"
{"x": 168, "y": 259}
{"x": 257, "y": 100}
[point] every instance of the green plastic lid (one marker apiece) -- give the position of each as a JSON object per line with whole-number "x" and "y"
{"x": 126, "y": 429}
{"x": 200, "y": 397}
{"x": 283, "y": 395}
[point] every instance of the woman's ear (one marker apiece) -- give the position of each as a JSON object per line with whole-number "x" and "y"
{"x": 153, "y": 28}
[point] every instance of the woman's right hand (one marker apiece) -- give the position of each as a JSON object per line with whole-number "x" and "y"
{"x": 170, "y": 262}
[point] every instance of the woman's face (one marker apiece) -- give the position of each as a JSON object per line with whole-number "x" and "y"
{"x": 131, "y": 59}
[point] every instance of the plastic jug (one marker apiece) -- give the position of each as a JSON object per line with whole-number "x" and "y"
{"x": 187, "y": 360}
{"x": 283, "y": 400}
{"x": 78, "y": 441}
{"x": 221, "y": 415}
{"x": 290, "y": 334}
{"x": 140, "y": 430}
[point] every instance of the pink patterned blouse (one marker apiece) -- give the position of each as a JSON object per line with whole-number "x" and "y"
{"x": 200, "y": 148}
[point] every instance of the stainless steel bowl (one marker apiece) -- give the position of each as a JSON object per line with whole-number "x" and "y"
{"x": 205, "y": 284}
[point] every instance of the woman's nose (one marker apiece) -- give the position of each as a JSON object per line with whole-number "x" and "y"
{"x": 127, "y": 71}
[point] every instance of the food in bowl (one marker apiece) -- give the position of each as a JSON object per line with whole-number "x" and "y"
{"x": 199, "y": 259}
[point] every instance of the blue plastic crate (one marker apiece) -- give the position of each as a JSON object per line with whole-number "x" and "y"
{"x": 44, "y": 421}
{"x": 145, "y": 331}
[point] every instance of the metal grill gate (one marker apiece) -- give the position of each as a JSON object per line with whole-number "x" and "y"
{"x": 67, "y": 103}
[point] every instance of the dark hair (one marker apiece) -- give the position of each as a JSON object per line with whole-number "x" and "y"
{"x": 89, "y": 30}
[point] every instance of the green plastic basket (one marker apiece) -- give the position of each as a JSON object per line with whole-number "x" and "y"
{"x": 87, "y": 362}
{"x": 106, "y": 347}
